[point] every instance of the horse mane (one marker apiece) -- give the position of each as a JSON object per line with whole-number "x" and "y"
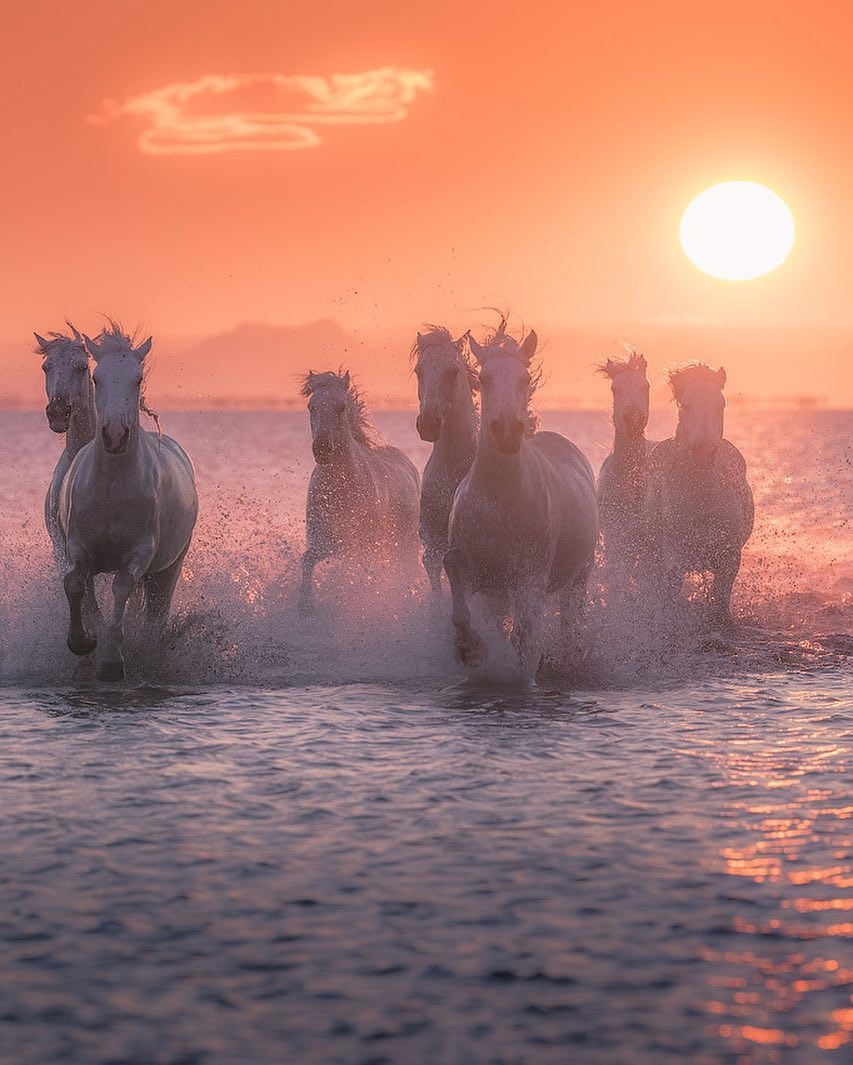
{"x": 439, "y": 334}
{"x": 691, "y": 373}
{"x": 634, "y": 360}
{"x": 361, "y": 427}
{"x": 41, "y": 349}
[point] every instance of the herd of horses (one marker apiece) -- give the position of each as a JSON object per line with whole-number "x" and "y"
{"x": 511, "y": 514}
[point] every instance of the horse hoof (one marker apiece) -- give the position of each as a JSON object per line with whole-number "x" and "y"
{"x": 83, "y": 645}
{"x": 111, "y": 671}
{"x": 469, "y": 654}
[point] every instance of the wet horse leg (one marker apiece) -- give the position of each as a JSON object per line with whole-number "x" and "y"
{"x": 721, "y": 590}
{"x": 125, "y": 580}
{"x": 159, "y": 589}
{"x": 527, "y": 627}
{"x": 76, "y": 582}
{"x": 469, "y": 647}
{"x": 572, "y": 607}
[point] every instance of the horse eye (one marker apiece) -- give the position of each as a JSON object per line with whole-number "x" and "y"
{"x": 341, "y": 407}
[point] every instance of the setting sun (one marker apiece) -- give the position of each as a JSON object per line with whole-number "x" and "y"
{"x": 737, "y": 230}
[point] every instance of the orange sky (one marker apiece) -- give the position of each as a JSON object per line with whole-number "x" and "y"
{"x": 546, "y": 168}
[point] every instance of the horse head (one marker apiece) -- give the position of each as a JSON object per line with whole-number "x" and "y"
{"x": 118, "y": 376}
{"x": 66, "y": 376}
{"x": 506, "y": 387}
{"x": 440, "y": 368}
{"x": 698, "y": 391}
{"x": 630, "y": 387}
{"x": 330, "y": 409}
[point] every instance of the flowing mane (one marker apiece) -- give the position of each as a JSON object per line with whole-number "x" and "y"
{"x": 635, "y": 360}
{"x": 77, "y": 338}
{"x": 693, "y": 373}
{"x": 439, "y": 335}
{"x": 361, "y": 427}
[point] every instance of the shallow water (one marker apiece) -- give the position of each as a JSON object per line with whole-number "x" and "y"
{"x": 317, "y": 843}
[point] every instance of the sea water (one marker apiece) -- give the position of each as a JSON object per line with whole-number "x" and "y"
{"x": 313, "y": 840}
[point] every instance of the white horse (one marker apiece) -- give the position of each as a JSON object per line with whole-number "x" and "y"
{"x": 524, "y": 522}
{"x": 70, "y": 410}
{"x": 363, "y": 495}
{"x": 447, "y": 418}
{"x": 699, "y": 507}
{"x": 127, "y": 506}
{"x": 623, "y": 477}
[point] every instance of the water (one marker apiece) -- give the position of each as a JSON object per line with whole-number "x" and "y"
{"x": 316, "y": 843}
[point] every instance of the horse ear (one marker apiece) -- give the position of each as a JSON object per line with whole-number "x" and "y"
{"x": 528, "y": 346}
{"x": 91, "y": 347}
{"x": 721, "y": 374}
{"x": 143, "y": 348}
{"x": 420, "y": 342}
{"x": 42, "y": 343}
{"x": 477, "y": 350}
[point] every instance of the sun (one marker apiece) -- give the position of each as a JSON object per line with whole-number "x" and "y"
{"x": 737, "y": 230}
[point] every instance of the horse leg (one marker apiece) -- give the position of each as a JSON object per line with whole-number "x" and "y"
{"x": 469, "y": 647}
{"x": 721, "y": 590}
{"x": 310, "y": 559}
{"x": 125, "y": 580}
{"x": 433, "y": 561}
{"x": 527, "y": 628}
{"x": 572, "y": 607}
{"x": 159, "y": 589}
{"x": 80, "y": 640}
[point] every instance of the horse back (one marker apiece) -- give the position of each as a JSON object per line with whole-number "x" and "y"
{"x": 564, "y": 456}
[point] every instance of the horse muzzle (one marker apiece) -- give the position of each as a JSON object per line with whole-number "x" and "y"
{"x": 508, "y": 434}
{"x": 58, "y": 415}
{"x": 429, "y": 426}
{"x": 324, "y": 450}
{"x": 115, "y": 441}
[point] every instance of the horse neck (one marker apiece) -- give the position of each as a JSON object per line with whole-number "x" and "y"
{"x": 629, "y": 449}
{"x": 457, "y": 442}
{"x": 83, "y": 422}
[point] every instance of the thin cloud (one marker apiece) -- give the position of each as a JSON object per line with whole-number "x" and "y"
{"x": 195, "y": 118}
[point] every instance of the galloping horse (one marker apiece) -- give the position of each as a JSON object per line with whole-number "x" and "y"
{"x": 127, "y": 506}
{"x": 363, "y": 495}
{"x": 699, "y": 507}
{"x": 447, "y": 418}
{"x": 70, "y": 410}
{"x": 524, "y": 522}
{"x": 623, "y": 477}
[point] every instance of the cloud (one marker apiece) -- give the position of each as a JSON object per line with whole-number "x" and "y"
{"x": 264, "y": 112}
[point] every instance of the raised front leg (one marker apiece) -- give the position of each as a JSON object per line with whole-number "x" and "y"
{"x": 469, "y": 647}
{"x": 76, "y": 582}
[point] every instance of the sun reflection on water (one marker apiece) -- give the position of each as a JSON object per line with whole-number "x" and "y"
{"x": 788, "y": 859}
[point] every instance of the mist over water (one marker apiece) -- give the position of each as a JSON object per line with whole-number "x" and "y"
{"x": 313, "y": 840}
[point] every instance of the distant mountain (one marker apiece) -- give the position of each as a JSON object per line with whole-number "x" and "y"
{"x": 262, "y": 365}
{"x": 256, "y": 365}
